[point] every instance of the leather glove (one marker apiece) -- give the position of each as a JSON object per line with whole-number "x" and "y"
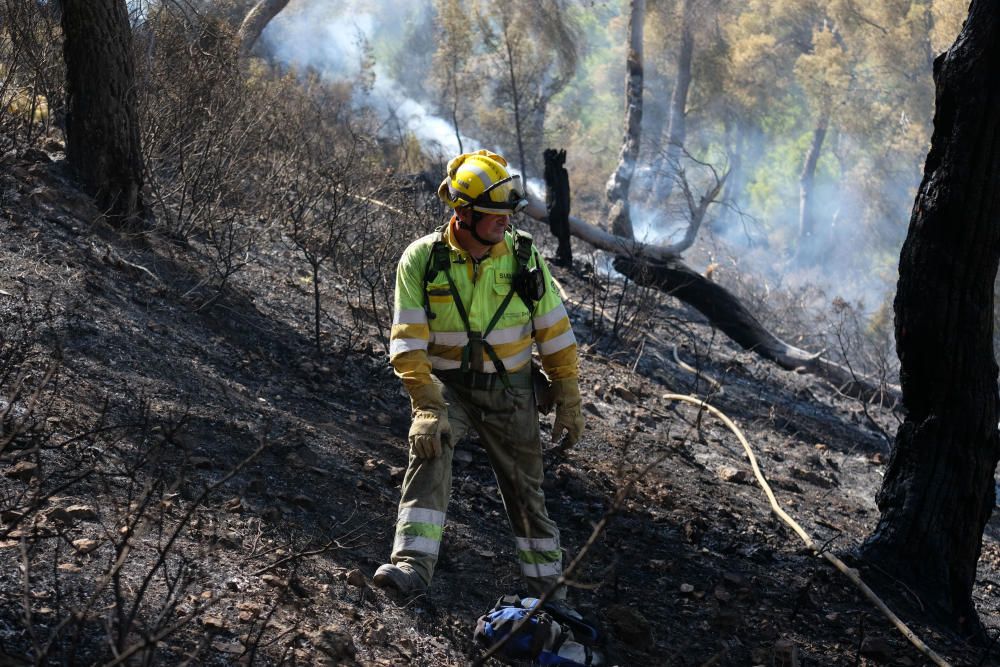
{"x": 429, "y": 427}
{"x": 569, "y": 417}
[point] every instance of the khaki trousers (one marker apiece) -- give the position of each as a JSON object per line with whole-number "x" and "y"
{"x": 507, "y": 423}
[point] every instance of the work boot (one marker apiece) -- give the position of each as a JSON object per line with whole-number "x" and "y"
{"x": 400, "y": 577}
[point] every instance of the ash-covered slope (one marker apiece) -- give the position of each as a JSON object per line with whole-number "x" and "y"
{"x": 183, "y": 475}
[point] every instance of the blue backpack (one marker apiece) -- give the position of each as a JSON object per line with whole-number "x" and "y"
{"x": 540, "y": 639}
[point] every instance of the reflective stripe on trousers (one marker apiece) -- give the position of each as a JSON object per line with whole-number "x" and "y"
{"x": 539, "y": 557}
{"x": 507, "y": 424}
{"x": 419, "y": 529}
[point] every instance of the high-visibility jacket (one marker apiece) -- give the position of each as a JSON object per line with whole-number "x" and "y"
{"x": 418, "y": 344}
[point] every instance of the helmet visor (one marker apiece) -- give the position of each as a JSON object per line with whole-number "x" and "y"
{"x": 506, "y": 196}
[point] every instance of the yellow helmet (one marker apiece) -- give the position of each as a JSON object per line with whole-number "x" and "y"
{"x": 481, "y": 181}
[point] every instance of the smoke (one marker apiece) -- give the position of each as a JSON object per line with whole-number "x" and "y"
{"x": 860, "y": 219}
{"x": 853, "y": 254}
{"x": 337, "y": 46}
{"x": 313, "y": 38}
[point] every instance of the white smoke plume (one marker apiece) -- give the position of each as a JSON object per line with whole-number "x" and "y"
{"x": 329, "y": 37}
{"x": 331, "y": 43}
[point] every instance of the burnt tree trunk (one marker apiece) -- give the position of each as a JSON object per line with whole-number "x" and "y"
{"x": 557, "y": 203}
{"x": 938, "y": 491}
{"x": 102, "y": 125}
{"x": 617, "y": 189}
{"x": 807, "y": 249}
{"x": 677, "y": 123}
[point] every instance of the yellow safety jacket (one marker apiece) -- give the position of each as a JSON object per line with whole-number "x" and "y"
{"x": 419, "y": 343}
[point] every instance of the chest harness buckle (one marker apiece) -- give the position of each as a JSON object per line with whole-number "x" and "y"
{"x": 528, "y": 284}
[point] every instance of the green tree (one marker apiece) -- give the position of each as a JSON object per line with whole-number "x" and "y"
{"x": 531, "y": 48}
{"x": 835, "y": 94}
{"x": 452, "y": 75}
{"x": 824, "y": 75}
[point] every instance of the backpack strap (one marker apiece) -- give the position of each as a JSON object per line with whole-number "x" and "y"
{"x": 508, "y": 601}
{"x": 522, "y": 248}
{"x": 528, "y": 283}
{"x": 438, "y": 261}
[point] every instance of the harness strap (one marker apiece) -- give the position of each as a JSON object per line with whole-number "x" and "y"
{"x": 458, "y": 302}
{"x": 523, "y": 250}
{"x": 440, "y": 260}
{"x": 494, "y": 357}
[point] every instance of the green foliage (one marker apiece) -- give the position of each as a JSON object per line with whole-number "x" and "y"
{"x": 529, "y": 74}
{"x": 586, "y": 116}
{"x": 773, "y": 188}
{"x": 528, "y": 53}
{"x": 765, "y": 74}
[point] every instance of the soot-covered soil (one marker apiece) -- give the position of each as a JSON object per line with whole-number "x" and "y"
{"x": 229, "y": 494}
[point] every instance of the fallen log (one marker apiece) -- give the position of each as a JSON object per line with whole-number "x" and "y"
{"x": 662, "y": 267}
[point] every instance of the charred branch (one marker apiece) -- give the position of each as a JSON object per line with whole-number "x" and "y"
{"x": 663, "y": 268}
{"x": 255, "y": 22}
{"x": 697, "y": 205}
{"x": 557, "y": 203}
{"x": 727, "y": 313}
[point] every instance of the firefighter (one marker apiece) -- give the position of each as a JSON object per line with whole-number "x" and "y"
{"x": 470, "y": 300}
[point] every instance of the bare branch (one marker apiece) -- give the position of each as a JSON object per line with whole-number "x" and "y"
{"x": 255, "y": 22}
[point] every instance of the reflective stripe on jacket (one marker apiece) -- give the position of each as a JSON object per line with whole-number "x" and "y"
{"x": 417, "y": 345}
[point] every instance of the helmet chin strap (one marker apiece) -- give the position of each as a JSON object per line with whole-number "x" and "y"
{"x": 476, "y": 217}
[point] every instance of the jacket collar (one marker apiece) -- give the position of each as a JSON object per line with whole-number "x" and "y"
{"x": 496, "y": 250}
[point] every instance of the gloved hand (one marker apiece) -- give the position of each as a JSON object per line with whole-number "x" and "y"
{"x": 430, "y": 421}
{"x": 569, "y": 418}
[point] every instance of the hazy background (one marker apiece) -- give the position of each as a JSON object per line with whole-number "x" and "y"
{"x": 762, "y": 74}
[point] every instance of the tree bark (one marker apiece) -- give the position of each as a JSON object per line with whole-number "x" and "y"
{"x": 254, "y": 23}
{"x": 663, "y": 268}
{"x": 102, "y": 126}
{"x": 617, "y": 189}
{"x": 677, "y": 124}
{"x": 807, "y": 250}
{"x": 557, "y": 203}
{"x": 938, "y": 491}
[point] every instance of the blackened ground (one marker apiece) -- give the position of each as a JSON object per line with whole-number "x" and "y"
{"x": 158, "y": 397}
